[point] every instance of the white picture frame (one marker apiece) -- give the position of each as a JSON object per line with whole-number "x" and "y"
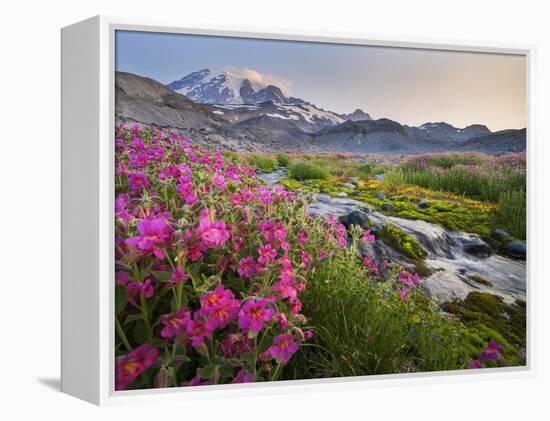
{"x": 88, "y": 120}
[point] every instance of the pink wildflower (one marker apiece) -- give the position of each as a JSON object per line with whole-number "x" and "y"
{"x": 370, "y": 264}
{"x": 175, "y": 323}
{"x": 368, "y": 237}
{"x": 283, "y": 348}
{"x": 266, "y": 254}
{"x": 213, "y": 234}
{"x": 198, "y": 330}
{"x": 133, "y": 364}
{"x": 302, "y": 237}
{"x": 152, "y": 233}
{"x": 243, "y": 377}
{"x": 475, "y": 364}
{"x": 247, "y": 267}
{"x": 254, "y": 313}
{"x": 138, "y": 181}
{"x": 179, "y": 276}
{"x": 491, "y": 351}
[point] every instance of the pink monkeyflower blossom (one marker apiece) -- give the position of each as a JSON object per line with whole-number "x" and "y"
{"x": 408, "y": 279}
{"x": 135, "y": 288}
{"x": 122, "y": 277}
{"x": 236, "y": 345}
{"x": 491, "y": 351}
{"x": 368, "y": 237}
{"x": 219, "y": 181}
{"x": 175, "y": 323}
{"x": 219, "y": 307}
{"x": 254, "y": 313}
{"x": 121, "y": 210}
{"x": 370, "y": 264}
{"x": 302, "y": 237}
{"x": 213, "y": 233}
{"x": 152, "y": 234}
{"x": 195, "y": 252}
{"x": 247, "y": 267}
{"x": 138, "y": 182}
{"x": 266, "y": 196}
{"x": 283, "y": 321}
{"x": 129, "y": 367}
{"x": 283, "y": 348}
{"x": 306, "y": 259}
{"x": 243, "y": 377}
{"x": 266, "y": 254}
{"x": 238, "y": 243}
{"x": 475, "y": 364}
{"x": 179, "y": 276}
{"x": 198, "y": 330}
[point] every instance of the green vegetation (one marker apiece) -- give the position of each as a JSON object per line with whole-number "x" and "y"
{"x": 489, "y": 317}
{"x": 304, "y": 171}
{"x": 449, "y": 210}
{"x": 500, "y": 180}
{"x": 361, "y": 327}
{"x": 513, "y": 212}
{"x": 405, "y": 244}
{"x": 283, "y": 160}
{"x": 263, "y": 162}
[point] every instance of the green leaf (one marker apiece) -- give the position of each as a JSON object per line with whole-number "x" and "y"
{"x": 266, "y": 342}
{"x": 162, "y": 276}
{"x": 121, "y": 299}
{"x": 207, "y": 371}
{"x": 133, "y": 317}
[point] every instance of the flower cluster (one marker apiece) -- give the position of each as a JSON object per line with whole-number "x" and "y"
{"x": 210, "y": 264}
{"x": 407, "y": 281}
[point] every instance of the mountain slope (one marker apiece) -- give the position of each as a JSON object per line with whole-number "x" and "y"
{"x": 150, "y": 102}
{"x": 445, "y": 132}
{"x": 504, "y": 141}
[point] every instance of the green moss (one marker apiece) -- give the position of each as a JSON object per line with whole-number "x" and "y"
{"x": 401, "y": 241}
{"x": 488, "y": 317}
{"x": 479, "y": 279}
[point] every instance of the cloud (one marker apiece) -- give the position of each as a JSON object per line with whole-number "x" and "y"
{"x": 260, "y": 80}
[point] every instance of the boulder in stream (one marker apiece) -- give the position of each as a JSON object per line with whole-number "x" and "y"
{"x": 477, "y": 247}
{"x": 515, "y": 249}
{"x": 387, "y": 207}
{"x": 422, "y": 204}
{"x": 342, "y": 194}
{"x": 355, "y": 217}
{"x": 499, "y": 234}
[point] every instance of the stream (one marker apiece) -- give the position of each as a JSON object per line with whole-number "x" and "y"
{"x": 446, "y": 255}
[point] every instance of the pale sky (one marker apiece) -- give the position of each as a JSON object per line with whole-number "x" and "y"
{"x": 411, "y": 86}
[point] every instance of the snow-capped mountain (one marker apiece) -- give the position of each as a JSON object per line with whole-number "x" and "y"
{"x": 233, "y": 86}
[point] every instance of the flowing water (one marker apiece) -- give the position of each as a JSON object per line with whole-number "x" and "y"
{"x": 446, "y": 255}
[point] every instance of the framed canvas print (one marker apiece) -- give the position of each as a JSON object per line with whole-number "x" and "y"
{"x": 250, "y": 211}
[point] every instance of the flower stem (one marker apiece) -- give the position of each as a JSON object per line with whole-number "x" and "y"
{"x": 146, "y": 317}
{"x": 122, "y": 335}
